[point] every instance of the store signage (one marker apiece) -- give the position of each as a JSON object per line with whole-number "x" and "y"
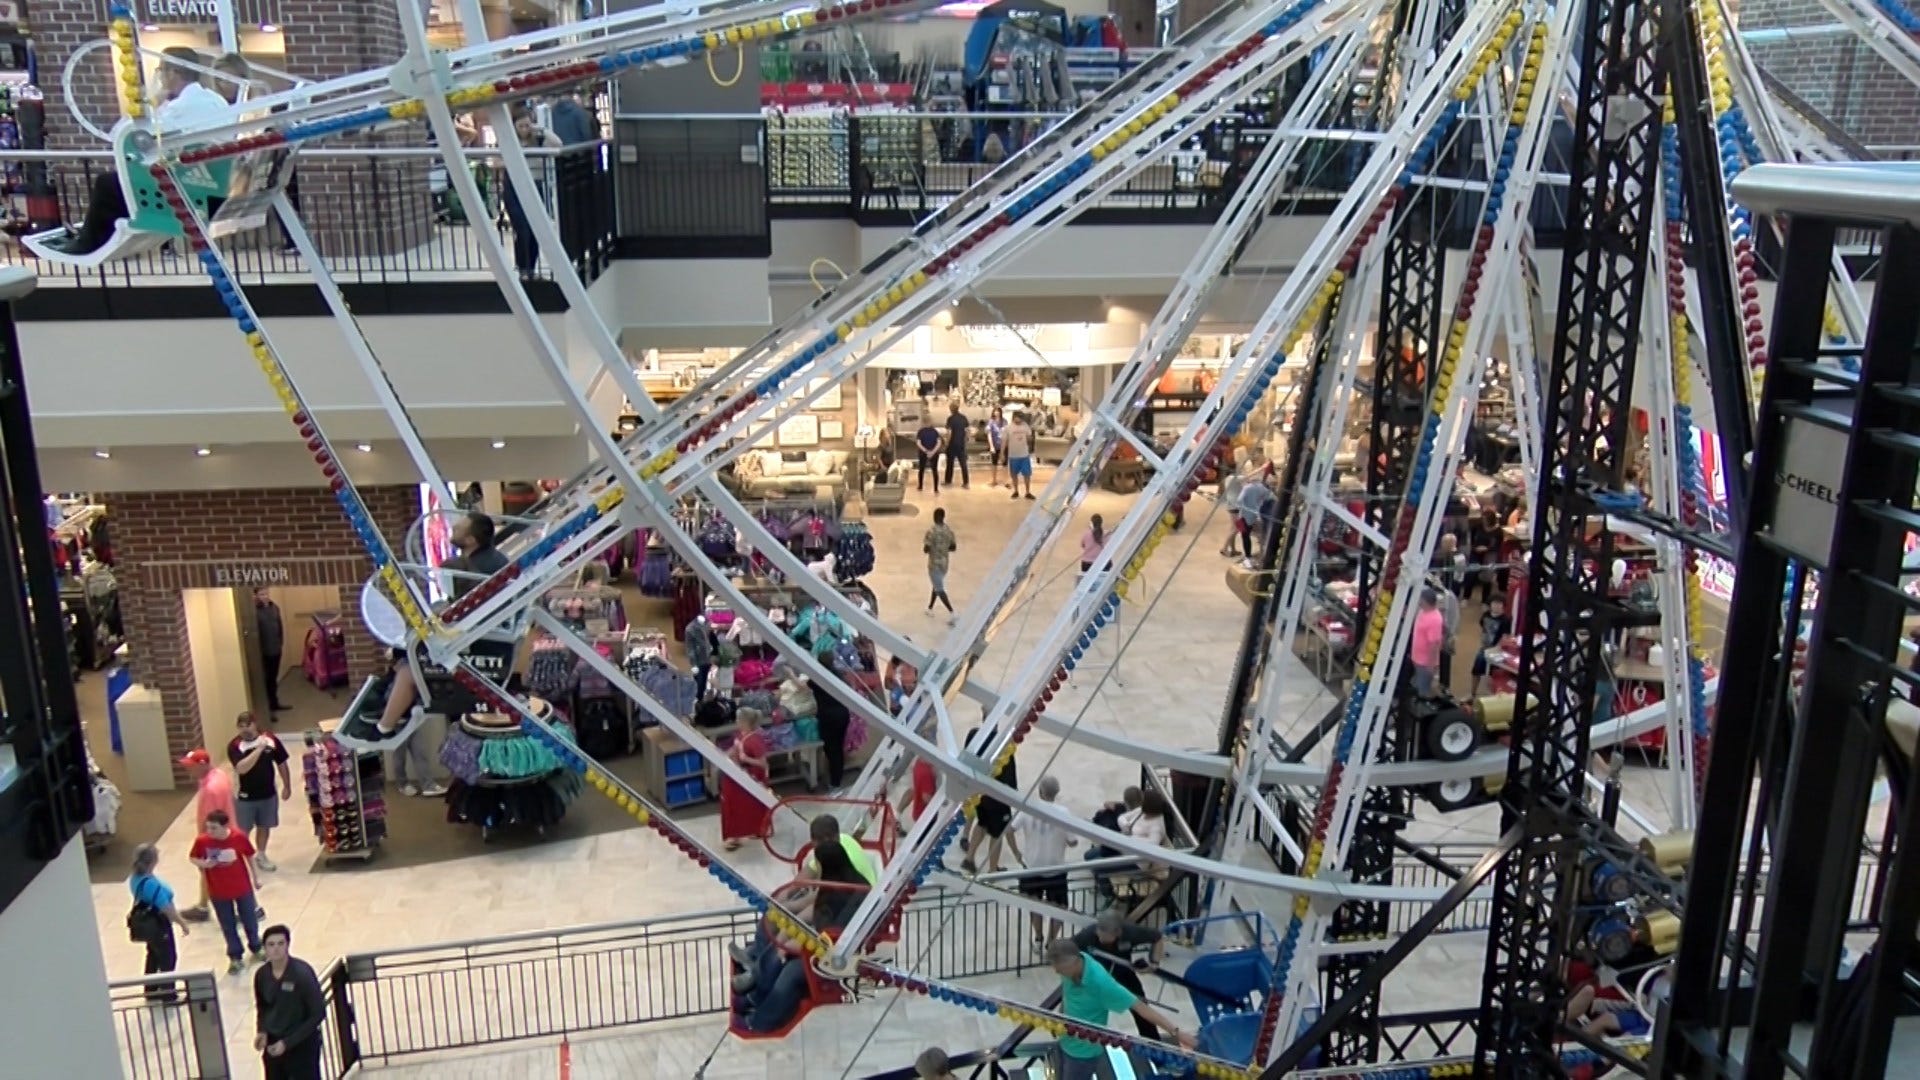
{"x": 180, "y": 11}
{"x": 1809, "y": 489}
{"x": 250, "y": 576}
{"x": 798, "y": 96}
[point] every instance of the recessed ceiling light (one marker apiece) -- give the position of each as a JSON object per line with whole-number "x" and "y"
{"x": 103, "y": 453}
{"x": 365, "y": 447}
{"x": 201, "y": 451}
{"x": 499, "y": 444}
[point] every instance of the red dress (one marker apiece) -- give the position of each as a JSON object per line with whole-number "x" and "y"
{"x": 925, "y": 783}
{"x": 742, "y": 817}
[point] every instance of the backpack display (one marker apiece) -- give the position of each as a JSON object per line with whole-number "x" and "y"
{"x": 853, "y": 554}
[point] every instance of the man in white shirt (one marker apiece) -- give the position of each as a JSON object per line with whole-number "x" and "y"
{"x": 1019, "y": 438}
{"x": 1041, "y": 844}
{"x": 184, "y": 103}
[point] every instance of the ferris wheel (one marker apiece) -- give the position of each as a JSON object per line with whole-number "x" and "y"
{"x": 1482, "y": 82}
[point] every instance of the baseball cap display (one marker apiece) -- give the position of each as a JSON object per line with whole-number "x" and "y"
{"x": 196, "y": 757}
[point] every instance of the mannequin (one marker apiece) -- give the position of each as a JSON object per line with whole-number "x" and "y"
{"x": 700, "y": 650}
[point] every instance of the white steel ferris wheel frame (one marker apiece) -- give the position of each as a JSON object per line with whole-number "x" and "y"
{"x": 679, "y": 450}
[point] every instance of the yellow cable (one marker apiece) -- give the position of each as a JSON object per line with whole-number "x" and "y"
{"x": 739, "y": 68}
{"x": 815, "y": 265}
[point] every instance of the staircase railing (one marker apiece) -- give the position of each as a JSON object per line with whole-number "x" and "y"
{"x": 169, "y": 1026}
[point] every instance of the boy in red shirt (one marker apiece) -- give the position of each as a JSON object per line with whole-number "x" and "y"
{"x": 227, "y": 857}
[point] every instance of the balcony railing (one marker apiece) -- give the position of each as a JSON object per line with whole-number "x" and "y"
{"x": 831, "y": 163}
{"x": 169, "y": 1027}
{"x": 378, "y": 216}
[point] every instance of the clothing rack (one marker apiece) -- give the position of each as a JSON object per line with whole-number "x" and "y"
{"x": 503, "y": 777}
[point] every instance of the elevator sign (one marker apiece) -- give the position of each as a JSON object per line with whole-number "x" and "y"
{"x": 1809, "y": 489}
{"x": 181, "y": 11}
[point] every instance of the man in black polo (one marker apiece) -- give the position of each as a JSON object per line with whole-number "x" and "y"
{"x": 289, "y": 1008}
{"x": 1113, "y": 941}
{"x": 957, "y": 444}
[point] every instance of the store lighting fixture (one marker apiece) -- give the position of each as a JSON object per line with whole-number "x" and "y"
{"x": 201, "y": 451}
{"x": 365, "y": 447}
{"x": 103, "y": 453}
{"x": 499, "y": 444}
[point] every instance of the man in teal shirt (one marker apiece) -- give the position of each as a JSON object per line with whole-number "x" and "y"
{"x": 1088, "y": 994}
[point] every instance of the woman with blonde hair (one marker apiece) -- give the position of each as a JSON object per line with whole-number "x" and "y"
{"x": 742, "y": 817}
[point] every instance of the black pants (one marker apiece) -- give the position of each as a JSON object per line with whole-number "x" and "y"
{"x": 162, "y": 957}
{"x": 957, "y": 456}
{"x": 300, "y": 1062}
{"x": 1128, "y": 978}
{"x": 106, "y": 204}
{"x": 272, "y": 663}
{"x": 928, "y": 464}
{"x": 526, "y": 248}
{"x": 833, "y": 741}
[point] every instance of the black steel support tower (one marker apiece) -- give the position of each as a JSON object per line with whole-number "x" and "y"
{"x": 1836, "y": 461}
{"x": 1611, "y": 201}
{"x": 43, "y": 808}
{"x": 1250, "y": 666}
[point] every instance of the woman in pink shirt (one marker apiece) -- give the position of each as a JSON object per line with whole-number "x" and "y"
{"x": 1091, "y": 543}
{"x": 1429, "y": 639}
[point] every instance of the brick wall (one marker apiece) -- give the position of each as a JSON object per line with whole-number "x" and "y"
{"x": 59, "y": 28}
{"x": 363, "y": 207}
{"x": 1835, "y": 73}
{"x": 172, "y": 540}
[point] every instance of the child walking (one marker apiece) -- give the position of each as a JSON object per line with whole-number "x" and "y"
{"x": 226, "y": 855}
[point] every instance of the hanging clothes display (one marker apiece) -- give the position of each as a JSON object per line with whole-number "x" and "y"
{"x": 853, "y": 553}
{"x": 502, "y": 777}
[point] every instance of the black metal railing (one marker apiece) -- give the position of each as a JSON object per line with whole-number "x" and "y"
{"x": 914, "y": 163}
{"x": 169, "y": 1027}
{"x": 415, "y": 1001}
{"x": 378, "y": 216}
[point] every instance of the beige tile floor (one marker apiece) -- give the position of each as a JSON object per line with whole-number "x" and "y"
{"x": 1175, "y": 672}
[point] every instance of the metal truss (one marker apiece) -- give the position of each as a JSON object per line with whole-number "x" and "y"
{"x": 1842, "y": 419}
{"x": 1319, "y": 314}
{"x": 1539, "y": 52}
{"x": 1611, "y": 214}
{"x": 1407, "y": 345}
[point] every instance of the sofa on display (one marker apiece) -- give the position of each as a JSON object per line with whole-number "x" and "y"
{"x": 772, "y": 473}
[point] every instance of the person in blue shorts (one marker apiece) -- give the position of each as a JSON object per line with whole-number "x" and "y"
{"x": 1019, "y": 443}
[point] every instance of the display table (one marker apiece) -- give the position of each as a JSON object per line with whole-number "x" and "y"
{"x": 672, "y": 774}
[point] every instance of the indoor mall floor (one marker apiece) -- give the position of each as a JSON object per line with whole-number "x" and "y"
{"x": 436, "y": 882}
